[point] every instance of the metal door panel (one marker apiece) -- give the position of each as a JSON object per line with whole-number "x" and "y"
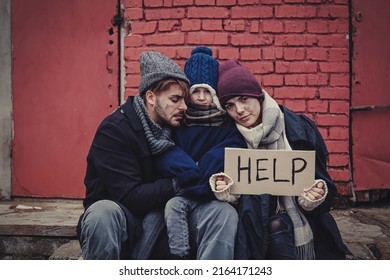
{"x": 62, "y": 88}
{"x": 371, "y": 150}
{"x": 370, "y": 99}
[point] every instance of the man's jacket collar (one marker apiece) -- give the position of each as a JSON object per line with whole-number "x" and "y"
{"x": 127, "y": 109}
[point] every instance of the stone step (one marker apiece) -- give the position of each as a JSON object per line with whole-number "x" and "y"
{"x": 37, "y": 228}
{"x": 68, "y": 251}
{"x": 46, "y": 229}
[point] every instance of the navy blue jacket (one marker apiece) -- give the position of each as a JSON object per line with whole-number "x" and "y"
{"x": 254, "y": 211}
{"x": 200, "y": 148}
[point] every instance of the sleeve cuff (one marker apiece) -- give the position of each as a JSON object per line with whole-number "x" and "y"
{"x": 308, "y": 204}
{"x": 223, "y": 195}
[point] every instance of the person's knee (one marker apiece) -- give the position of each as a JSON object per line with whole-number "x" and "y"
{"x": 103, "y": 214}
{"x": 175, "y": 205}
{"x": 277, "y": 224}
{"x": 224, "y": 213}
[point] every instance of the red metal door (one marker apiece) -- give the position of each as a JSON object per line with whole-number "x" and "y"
{"x": 370, "y": 95}
{"x": 64, "y": 81}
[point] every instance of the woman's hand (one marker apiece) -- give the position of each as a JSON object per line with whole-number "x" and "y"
{"x": 220, "y": 183}
{"x": 315, "y": 195}
{"x": 315, "y": 192}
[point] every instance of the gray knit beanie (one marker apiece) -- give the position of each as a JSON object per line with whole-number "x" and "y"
{"x": 155, "y": 67}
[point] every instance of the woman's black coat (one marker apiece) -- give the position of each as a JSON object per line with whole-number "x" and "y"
{"x": 252, "y": 235}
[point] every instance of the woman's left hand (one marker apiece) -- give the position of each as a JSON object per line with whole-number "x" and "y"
{"x": 315, "y": 195}
{"x": 315, "y": 192}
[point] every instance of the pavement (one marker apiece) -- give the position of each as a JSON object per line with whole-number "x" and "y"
{"x": 365, "y": 229}
{"x": 46, "y": 229}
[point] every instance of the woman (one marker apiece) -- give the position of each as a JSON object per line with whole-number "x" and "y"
{"x": 277, "y": 227}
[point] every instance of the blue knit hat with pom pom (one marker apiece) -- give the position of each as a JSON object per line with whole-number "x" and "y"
{"x": 202, "y": 71}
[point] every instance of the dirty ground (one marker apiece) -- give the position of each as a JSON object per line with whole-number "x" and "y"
{"x": 46, "y": 229}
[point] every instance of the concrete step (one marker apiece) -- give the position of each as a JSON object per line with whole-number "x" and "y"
{"x": 46, "y": 229}
{"x": 37, "y": 228}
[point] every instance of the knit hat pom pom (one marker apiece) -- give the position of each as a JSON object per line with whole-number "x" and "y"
{"x": 202, "y": 67}
{"x": 202, "y": 49}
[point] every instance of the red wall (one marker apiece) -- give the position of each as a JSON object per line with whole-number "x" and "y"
{"x": 298, "y": 49}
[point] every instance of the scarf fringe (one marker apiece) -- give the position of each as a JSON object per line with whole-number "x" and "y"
{"x": 306, "y": 251}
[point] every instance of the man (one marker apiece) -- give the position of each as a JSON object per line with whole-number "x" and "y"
{"x": 125, "y": 197}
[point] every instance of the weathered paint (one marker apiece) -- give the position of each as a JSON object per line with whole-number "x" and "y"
{"x": 370, "y": 99}
{"x": 5, "y": 100}
{"x": 64, "y": 83}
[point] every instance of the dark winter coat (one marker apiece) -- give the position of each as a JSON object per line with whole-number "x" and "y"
{"x": 252, "y": 235}
{"x": 202, "y": 148}
{"x": 120, "y": 167}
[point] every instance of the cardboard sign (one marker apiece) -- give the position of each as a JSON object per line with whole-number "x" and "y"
{"x": 274, "y": 172}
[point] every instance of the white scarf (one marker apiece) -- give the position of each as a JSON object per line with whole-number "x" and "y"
{"x": 271, "y": 134}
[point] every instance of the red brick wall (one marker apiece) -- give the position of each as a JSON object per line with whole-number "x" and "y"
{"x": 298, "y": 50}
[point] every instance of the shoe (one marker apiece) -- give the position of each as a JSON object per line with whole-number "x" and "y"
{"x": 177, "y": 257}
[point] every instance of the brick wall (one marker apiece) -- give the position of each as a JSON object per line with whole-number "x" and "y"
{"x": 298, "y": 50}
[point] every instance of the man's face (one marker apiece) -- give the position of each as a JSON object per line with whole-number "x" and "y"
{"x": 169, "y": 106}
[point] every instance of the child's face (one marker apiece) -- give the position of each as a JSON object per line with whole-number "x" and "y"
{"x": 201, "y": 96}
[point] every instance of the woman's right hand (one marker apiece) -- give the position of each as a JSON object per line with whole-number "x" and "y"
{"x": 220, "y": 183}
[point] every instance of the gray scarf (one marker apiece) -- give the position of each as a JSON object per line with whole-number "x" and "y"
{"x": 158, "y": 137}
{"x": 201, "y": 115}
{"x": 273, "y": 137}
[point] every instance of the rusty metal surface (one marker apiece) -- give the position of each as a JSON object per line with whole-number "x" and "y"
{"x": 65, "y": 81}
{"x": 370, "y": 99}
{"x": 371, "y": 55}
{"x": 371, "y": 150}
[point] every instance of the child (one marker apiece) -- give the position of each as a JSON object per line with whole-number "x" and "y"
{"x": 200, "y": 149}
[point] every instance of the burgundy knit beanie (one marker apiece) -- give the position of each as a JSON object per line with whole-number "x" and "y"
{"x": 236, "y": 80}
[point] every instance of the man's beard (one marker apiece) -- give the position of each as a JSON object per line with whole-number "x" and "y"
{"x": 162, "y": 116}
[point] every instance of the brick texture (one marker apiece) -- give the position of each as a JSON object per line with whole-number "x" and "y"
{"x": 297, "y": 49}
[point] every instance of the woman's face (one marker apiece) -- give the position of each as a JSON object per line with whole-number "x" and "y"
{"x": 244, "y": 110}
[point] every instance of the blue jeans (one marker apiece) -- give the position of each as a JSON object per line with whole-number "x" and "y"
{"x": 104, "y": 230}
{"x": 177, "y": 211}
{"x": 281, "y": 238}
